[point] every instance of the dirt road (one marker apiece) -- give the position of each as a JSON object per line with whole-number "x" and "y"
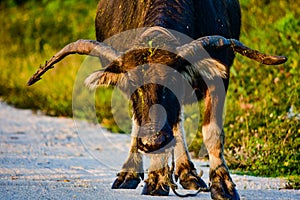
{"x": 43, "y": 157}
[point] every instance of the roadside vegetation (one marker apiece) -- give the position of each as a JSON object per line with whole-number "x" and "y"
{"x": 262, "y": 116}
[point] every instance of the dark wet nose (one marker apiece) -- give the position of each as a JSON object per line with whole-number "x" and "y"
{"x": 152, "y": 139}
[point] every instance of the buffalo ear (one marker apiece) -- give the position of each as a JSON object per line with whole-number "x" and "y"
{"x": 110, "y": 75}
{"x": 206, "y": 69}
{"x": 102, "y": 78}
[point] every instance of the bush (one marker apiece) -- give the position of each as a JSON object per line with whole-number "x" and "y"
{"x": 262, "y": 127}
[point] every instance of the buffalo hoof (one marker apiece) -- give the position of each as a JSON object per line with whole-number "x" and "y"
{"x": 192, "y": 182}
{"x": 155, "y": 191}
{"x": 126, "y": 180}
{"x": 223, "y": 191}
{"x": 222, "y": 186}
{"x": 188, "y": 178}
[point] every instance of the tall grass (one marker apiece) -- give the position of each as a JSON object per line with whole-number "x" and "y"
{"x": 262, "y": 133}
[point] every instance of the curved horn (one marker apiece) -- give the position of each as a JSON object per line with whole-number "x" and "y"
{"x": 221, "y": 42}
{"x": 82, "y": 47}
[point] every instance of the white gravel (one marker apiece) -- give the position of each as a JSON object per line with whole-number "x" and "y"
{"x": 43, "y": 157}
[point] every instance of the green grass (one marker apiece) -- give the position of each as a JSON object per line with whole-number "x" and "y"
{"x": 260, "y": 137}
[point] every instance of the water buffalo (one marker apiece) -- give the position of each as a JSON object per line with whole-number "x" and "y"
{"x": 147, "y": 73}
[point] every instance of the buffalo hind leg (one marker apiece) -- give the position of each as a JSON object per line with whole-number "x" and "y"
{"x": 185, "y": 169}
{"x": 222, "y": 186}
{"x": 132, "y": 171}
{"x": 159, "y": 176}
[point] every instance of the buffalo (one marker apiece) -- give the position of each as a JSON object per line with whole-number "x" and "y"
{"x": 161, "y": 71}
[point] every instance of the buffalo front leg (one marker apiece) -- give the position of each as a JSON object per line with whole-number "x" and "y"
{"x": 185, "y": 170}
{"x": 222, "y": 186}
{"x": 132, "y": 170}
